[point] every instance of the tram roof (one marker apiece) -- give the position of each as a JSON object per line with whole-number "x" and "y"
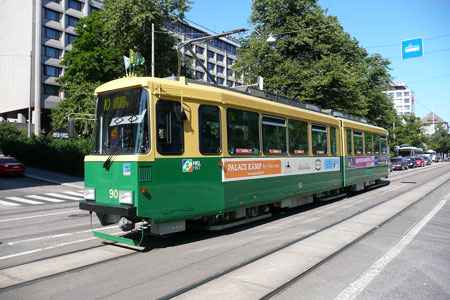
{"x": 216, "y": 93}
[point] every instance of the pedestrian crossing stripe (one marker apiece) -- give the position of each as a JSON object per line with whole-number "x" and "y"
{"x": 23, "y": 200}
{"x": 41, "y": 199}
{"x": 44, "y": 198}
{"x": 64, "y": 196}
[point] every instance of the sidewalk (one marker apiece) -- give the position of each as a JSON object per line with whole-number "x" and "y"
{"x": 55, "y": 178}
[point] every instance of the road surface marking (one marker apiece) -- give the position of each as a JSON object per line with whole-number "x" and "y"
{"x": 38, "y": 216}
{"x": 79, "y": 194}
{"x": 52, "y": 247}
{"x": 354, "y": 289}
{"x": 9, "y": 203}
{"x": 44, "y": 198}
{"x": 60, "y": 235}
{"x": 23, "y": 200}
{"x": 64, "y": 196}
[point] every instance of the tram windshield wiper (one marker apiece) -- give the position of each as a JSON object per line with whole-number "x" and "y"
{"x": 107, "y": 164}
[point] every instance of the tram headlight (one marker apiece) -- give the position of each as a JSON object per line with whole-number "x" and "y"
{"x": 126, "y": 197}
{"x": 89, "y": 194}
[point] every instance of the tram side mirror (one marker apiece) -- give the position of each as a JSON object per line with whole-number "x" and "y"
{"x": 71, "y": 128}
{"x": 180, "y": 114}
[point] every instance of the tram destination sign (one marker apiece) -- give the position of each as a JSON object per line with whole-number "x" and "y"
{"x": 412, "y": 48}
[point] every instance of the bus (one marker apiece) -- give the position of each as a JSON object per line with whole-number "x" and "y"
{"x": 408, "y": 151}
{"x": 170, "y": 152}
{"x": 432, "y": 155}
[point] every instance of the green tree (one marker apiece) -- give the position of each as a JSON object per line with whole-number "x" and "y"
{"x": 316, "y": 61}
{"x": 103, "y": 38}
{"x": 410, "y": 131}
{"x": 440, "y": 140}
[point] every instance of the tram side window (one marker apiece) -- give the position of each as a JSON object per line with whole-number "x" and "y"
{"x": 274, "y": 135}
{"x": 298, "y": 137}
{"x": 333, "y": 140}
{"x": 349, "y": 141}
{"x": 169, "y": 130}
{"x": 383, "y": 145}
{"x": 376, "y": 144}
{"x": 358, "y": 142}
{"x": 243, "y": 132}
{"x": 319, "y": 139}
{"x": 368, "y": 143}
{"x": 209, "y": 121}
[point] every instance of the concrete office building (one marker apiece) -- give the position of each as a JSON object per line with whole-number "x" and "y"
{"x": 216, "y": 55}
{"x": 34, "y": 36}
{"x": 402, "y": 97}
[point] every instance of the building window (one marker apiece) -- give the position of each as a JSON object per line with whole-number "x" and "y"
{"x": 52, "y": 15}
{"x": 229, "y": 61}
{"x": 75, "y": 5}
{"x": 407, "y": 107}
{"x": 199, "y": 75}
{"x": 56, "y": 1}
{"x": 70, "y": 38}
{"x": 51, "y": 90}
{"x": 220, "y": 80}
{"x": 52, "y": 52}
{"x": 52, "y": 71}
{"x": 199, "y": 62}
{"x": 230, "y": 83}
{"x": 210, "y": 54}
{"x": 233, "y": 49}
{"x": 237, "y": 84}
{"x": 391, "y": 95}
{"x": 406, "y": 100}
{"x": 220, "y": 57}
{"x": 71, "y": 21}
{"x": 93, "y": 8}
{"x": 229, "y": 72}
{"x": 200, "y": 50}
{"x": 211, "y": 66}
{"x": 406, "y": 94}
{"x": 220, "y": 69}
{"x": 398, "y": 107}
{"x": 398, "y": 94}
{"x": 211, "y": 79}
{"x": 52, "y": 33}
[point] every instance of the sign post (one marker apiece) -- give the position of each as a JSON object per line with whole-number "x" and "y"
{"x": 412, "y": 48}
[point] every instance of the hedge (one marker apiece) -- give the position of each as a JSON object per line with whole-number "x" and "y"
{"x": 44, "y": 151}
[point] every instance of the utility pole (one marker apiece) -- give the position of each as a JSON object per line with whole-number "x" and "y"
{"x": 153, "y": 50}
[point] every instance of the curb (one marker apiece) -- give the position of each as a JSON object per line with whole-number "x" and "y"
{"x": 52, "y": 181}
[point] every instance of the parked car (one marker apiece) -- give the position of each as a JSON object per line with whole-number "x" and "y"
{"x": 420, "y": 161}
{"x": 399, "y": 163}
{"x": 11, "y": 166}
{"x": 427, "y": 160}
{"x": 412, "y": 163}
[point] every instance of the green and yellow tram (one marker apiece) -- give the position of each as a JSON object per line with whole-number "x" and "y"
{"x": 167, "y": 151}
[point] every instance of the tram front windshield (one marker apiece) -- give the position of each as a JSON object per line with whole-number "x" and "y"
{"x": 122, "y": 123}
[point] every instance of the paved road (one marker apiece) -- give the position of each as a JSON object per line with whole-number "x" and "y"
{"x": 167, "y": 264}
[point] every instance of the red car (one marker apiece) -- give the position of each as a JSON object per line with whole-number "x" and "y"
{"x": 420, "y": 161}
{"x": 11, "y": 166}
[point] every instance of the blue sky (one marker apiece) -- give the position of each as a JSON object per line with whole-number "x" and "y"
{"x": 373, "y": 23}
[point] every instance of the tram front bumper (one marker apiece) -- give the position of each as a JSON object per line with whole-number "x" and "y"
{"x": 123, "y": 211}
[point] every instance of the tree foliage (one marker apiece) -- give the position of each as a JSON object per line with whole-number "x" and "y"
{"x": 440, "y": 140}
{"x": 103, "y": 38}
{"x": 410, "y": 131}
{"x": 314, "y": 60}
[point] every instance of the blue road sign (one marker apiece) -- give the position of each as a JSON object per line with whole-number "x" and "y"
{"x": 412, "y": 48}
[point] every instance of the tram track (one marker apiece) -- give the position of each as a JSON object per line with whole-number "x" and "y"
{"x": 180, "y": 292}
{"x": 226, "y": 271}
